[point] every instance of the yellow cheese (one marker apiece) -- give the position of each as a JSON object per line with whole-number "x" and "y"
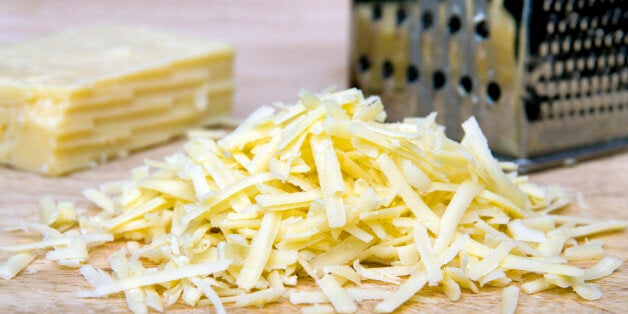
{"x": 75, "y": 98}
{"x": 221, "y": 225}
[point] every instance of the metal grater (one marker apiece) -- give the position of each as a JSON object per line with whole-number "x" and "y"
{"x": 547, "y": 80}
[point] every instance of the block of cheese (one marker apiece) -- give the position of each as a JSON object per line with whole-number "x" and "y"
{"x": 70, "y": 100}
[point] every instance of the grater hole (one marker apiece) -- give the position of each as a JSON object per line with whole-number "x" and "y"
{"x": 543, "y": 49}
{"x": 465, "y": 85}
{"x": 363, "y": 63}
{"x": 387, "y": 69}
{"x": 611, "y": 61}
{"x": 562, "y": 26}
{"x": 584, "y": 23}
{"x": 438, "y": 80}
{"x": 494, "y": 92}
{"x": 376, "y": 15}
{"x": 570, "y": 65}
{"x": 566, "y": 43}
{"x": 558, "y": 68}
{"x": 569, "y": 7}
{"x": 481, "y": 29}
{"x": 608, "y": 40}
{"x": 618, "y": 36}
{"x": 427, "y": 20}
{"x": 412, "y": 73}
{"x": 605, "y": 19}
{"x": 533, "y": 111}
{"x": 401, "y": 15}
{"x": 591, "y": 62}
{"x": 595, "y": 22}
{"x": 573, "y": 20}
{"x": 577, "y": 45}
{"x": 550, "y": 28}
{"x": 616, "y": 16}
{"x": 454, "y": 24}
{"x": 587, "y": 43}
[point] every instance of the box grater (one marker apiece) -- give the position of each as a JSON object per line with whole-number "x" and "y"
{"x": 547, "y": 80}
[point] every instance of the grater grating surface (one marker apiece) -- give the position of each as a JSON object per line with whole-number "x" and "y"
{"x": 542, "y": 77}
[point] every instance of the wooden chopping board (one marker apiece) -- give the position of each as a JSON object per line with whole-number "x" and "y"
{"x": 51, "y": 288}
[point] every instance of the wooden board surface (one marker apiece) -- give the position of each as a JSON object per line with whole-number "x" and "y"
{"x": 282, "y": 46}
{"x": 52, "y": 289}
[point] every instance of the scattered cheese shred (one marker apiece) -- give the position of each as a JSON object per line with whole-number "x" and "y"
{"x": 590, "y": 250}
{"x": 318, "y": 309}
{"x": 336, "y": 294}
{"x": 157, "y": 277}
{"x": 259, "y": 298}
{"x": 406, "y": 290}
{"x": 323, "y": 188}
{"x": 15, "y": 264}
{"x": 510, "y": 297}
{"x": 522, "y": 233}
{"x": 490, "y": 261}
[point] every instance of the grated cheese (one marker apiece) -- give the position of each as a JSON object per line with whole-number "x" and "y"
{"x": 590, "y": 250}
{"x": 336, "y": 294}
{"x": 510, "y": 298}
{"x": 258, "y": 298}
{"x": 490, "y": 261}
{"x": 428, "y": 258}
{"x": 456, "y": 208}
{"x": 318, "y": 309}
{"x": 153, "y": 301}
{"x": 406, "y": 290}
{"x": 308, "y": 297}
{"x": 323, "y": 188}
{"x": 157, "y": 277}
{"x": 100, "y": 199}
{"x": 451, "y": 288}
{"x": 522, "y": 233}
{"x": 15, "y": 264}
{"x": 259, "y": 251}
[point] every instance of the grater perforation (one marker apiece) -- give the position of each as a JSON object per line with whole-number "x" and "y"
{"x": 541, "y": 77}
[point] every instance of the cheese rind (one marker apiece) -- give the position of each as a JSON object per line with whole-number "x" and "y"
{"x": 82, "y": 96}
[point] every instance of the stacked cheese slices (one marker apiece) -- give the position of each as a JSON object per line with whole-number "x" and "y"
{"x": 72, "y": 99}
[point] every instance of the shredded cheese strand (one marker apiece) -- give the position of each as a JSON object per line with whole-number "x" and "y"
{"x": 157, "y": 277}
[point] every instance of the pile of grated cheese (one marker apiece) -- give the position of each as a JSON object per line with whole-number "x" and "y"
{"x": 324, "y": 188}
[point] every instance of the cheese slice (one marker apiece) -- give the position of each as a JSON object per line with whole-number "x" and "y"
{"x": 82, "y": 96}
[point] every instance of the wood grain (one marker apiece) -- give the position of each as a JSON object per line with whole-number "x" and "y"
{"x": 282, "y": 46}
{"x": 52, "y": 289}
